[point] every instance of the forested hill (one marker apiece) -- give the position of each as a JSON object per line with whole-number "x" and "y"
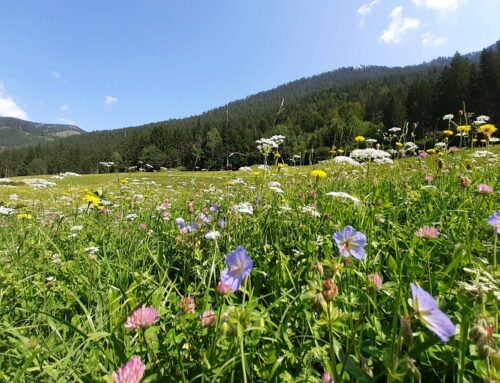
{"x": 313, "y": 113}
{"x": 15, "y": 132}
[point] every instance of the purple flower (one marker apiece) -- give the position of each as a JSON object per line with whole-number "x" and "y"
{"x": 484, "y": 189}
{"x": 131, "y": 372}
{"x": 180, "y": 222}
{"x": 350, "y": 242}
{"x": 430, "y": 315}
{"x": 222, "y": 223}
{"x": 494, "y": 220}
{"x": 326, "y": 377}
{"x": 205, "y": 218}
{"x": 142, "y": 317}
{"x": 239, "y": 266}
{"x": 214, "y": 208}
{"x": 191, "y": 227}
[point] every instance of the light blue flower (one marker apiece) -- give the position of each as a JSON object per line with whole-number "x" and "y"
{"x": 494, "y": 220}
{"x": 427, "y": 310}
{"x": 239, "y": 266}
{"x": 350, "y": 242}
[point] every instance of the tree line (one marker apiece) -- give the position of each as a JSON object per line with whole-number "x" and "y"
{"x": 315, "y": 114}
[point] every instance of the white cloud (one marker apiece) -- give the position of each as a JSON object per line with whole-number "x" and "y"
{"x": 66, "y": 121}
{"x": 64, "y": 108}
{"x": 8, "y": 107}
{"x": 108, "y": 100}
{"x": 365, "y": 9}
{"x": 429, "y": 39}
{"x": 398, "y": 27}
{"x": 55, "y": 75}
{"x": 438, "y": 5}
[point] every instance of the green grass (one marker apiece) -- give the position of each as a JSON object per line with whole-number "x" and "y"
{"x": 62, "y": 311}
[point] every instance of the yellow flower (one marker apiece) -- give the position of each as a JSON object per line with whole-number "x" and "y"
{"x": 340, "y": 151}
{"x": 447, "y": 133}
{"x": 124, "y": 182}
{"x": 23, "y": 216}
{"x": 474, "y": 140}
{"x": 318, "y": 173}
{"x": 464, "y": 128}
{"x": 256, "y": 173}
{"x": 487, "y": 129}
{"x": 277, "y": 155}
{"x": 280, "y": 165}
{"x": 333, "y": 151}
{"x": 431, "y": 151}
{"x": 399, "y": 144}
{"x": 441, "y": 153}
{"x": 93, "y": 200}
{"x": 484, "y": 141}
{"x": 359, "y": 138}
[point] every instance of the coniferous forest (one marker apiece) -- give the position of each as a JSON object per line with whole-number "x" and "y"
{"x": 315, "y": 114}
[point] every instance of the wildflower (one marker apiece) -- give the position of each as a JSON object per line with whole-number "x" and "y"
{"x": 394, "y": 129}
{"x": 92, "y": 200}
{"x": 187, "y": 304}
{"x": 23, "y": 216}
{"x": 494, "y": 220}
{"x": 483, "y": 141}
{"x": 447, "y": 133}
{"x": 431, "y": 151}
{"x": 239, "y": 266}
{"x": 487, "y": 129}
{"x": 484, "y": 189}
{"x": 448, "y": 117}
{"x": 427, "y": 232}
{"x": 277, "y": 155}
{"x": 464, "y": 181}
{"x": 330, "y": 290}
{"x": 212, "y": 235}
{"x": 344, "y": 195}
{"x": 214, "y": 208}
{"x": 376, "y": 280}
{"x": 326, "y": 377}
{"x": 482, "y": 118}
{"x": 244, "y": 208}
{"x": 340, "y": 151}
{"x": 180, "y": 222}
{"x": 142, "y": 317}
{"x": 369, "y": 154}
{"x": 422, "y": 155}
{"x": 131, "y": 216}
{"x": 345, "y": 160}
{"x": 223, "y": 289}
{"x": 245, "y": 169}
{"x": 208, "y": 318}
{"x": 280, "y": 166}
{"x": 430, "y": 315}
{"x": 399, "y": 144}
{"x": 131, "y": 372}
{"x": 350, "y": 242}
{"x": 464, "y": 128}
{"x": 318, "y": 173}
{"x": 142, "y": 226}
{"x": 428, "y": 179}
{"x": 359, "y": 138}
{"x": 222, "y": 223}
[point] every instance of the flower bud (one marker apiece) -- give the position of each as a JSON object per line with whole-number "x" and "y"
{"x": 330, "y": 290}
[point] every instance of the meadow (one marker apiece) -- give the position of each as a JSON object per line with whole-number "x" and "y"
{"x": 338, "y": 272}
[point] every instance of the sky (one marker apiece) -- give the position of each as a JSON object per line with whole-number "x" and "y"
{"x": 107, "y": 64}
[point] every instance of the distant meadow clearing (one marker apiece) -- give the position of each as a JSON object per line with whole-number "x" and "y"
{"x": 341, "y": 272}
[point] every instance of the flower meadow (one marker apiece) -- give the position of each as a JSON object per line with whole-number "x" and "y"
{"x": 384, "y": 271}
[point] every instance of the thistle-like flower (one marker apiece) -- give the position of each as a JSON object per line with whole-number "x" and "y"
{"x": 427, "y": 232}
{"x": 142, "y": 317}
{"x": 131, "y": 372}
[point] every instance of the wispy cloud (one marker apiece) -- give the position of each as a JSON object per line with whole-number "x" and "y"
{"x": 364, "y": 10}
{"x": 429, "y": 39}
{"x": 54, "y": 74}
{"x": 64, "y": 108}
{"x": 66, "y": 121}
{"x": 438, "y": 5}
{"x": 8, "y": 107}
{"x": 398, "y": 26}
{"x": 108, "y": 100}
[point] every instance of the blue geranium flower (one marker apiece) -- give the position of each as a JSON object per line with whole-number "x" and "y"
{"x": 427, "y": 310}
{"x": 239, "y": 266}
{"x": 350, "y": 242}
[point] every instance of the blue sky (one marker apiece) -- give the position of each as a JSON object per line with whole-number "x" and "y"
{"x": 105, "y": 64}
